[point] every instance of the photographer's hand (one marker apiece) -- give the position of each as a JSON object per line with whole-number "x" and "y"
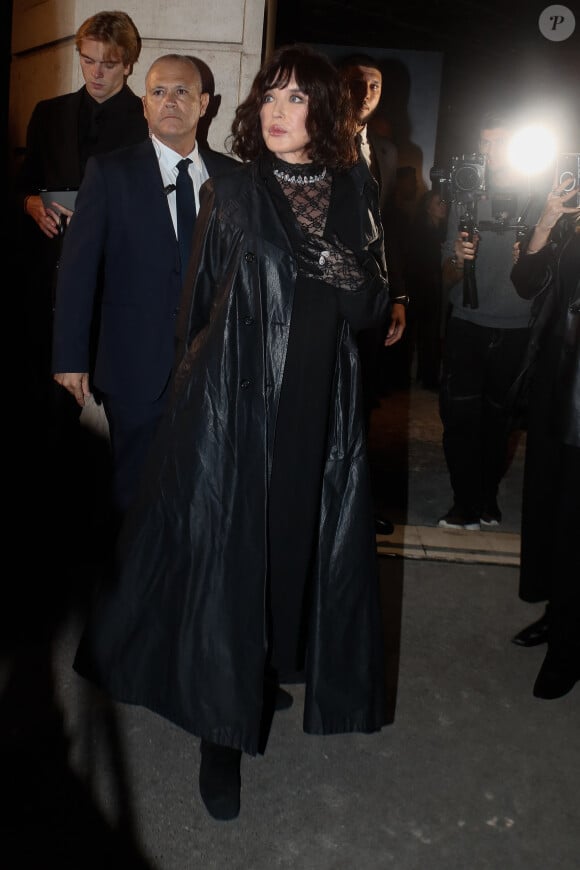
{"x": 465, "y": 249}
{"x": 553, "y": 210}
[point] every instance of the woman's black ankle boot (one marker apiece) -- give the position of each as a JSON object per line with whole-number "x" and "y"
{"x": 220, "y": 780}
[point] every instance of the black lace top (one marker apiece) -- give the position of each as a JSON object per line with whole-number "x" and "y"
{"x": 307, "y": 188}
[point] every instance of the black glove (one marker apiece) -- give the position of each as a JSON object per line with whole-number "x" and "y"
{"x": 312, "y": 257}
{"x": 329, "y": 261}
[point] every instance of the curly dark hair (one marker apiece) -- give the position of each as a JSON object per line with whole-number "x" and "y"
{"x": 330, "y": 123}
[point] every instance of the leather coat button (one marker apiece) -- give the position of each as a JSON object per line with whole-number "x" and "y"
{"x": 249, "y": 257}
{"x": 245, "y": 383}
{"x": 248, "y": 320}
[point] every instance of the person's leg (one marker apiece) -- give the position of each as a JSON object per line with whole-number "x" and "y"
{"x": 539, "y": 494}
{"x": 504, "y": 356}
{"x": 132, "y": 426}
{"x": 538, "y": 516}
{"x": 369, "y": 343}
{"x": 460, "y": 400}
{"x": 73, "y": 474}
{"x": 561, "y": 667}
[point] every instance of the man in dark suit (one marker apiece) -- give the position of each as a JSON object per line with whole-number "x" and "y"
{"x": 365, "y": 81}
{"x": 126, "y": 222}
{"x": 62, "y": 134}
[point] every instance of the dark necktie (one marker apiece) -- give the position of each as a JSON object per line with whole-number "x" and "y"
{"x": 185, "y": 202}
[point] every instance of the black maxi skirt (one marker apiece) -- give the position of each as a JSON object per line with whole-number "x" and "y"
{"x": 297, "y": 469}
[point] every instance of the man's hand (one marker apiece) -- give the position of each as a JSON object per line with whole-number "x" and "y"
{"x": 397, "y": 324}
{"x": 49, "y": 220}
{"x": 77, "y": 383}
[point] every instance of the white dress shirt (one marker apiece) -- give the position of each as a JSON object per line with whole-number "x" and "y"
{"x": 365, "y": 147}
{"x": 168, "y": 160}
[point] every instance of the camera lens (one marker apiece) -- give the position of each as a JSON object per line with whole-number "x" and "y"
{"x": 467, "y": 178}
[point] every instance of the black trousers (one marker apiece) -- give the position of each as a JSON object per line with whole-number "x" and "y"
{"x": 132, "y": 426}
{"x": 479, "y": 366}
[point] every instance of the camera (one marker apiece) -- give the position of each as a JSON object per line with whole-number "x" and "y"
{"x": 463, "y": 180}
{"x": 569, "y": 171}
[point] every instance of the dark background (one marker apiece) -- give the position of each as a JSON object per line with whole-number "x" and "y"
{"x": 5, "y": 42}
{"x": 494, "y": 55}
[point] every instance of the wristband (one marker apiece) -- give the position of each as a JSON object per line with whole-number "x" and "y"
{"x": 401, "y": 300}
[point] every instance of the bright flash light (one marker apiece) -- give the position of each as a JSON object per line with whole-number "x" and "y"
{"x": 532, "y": 149}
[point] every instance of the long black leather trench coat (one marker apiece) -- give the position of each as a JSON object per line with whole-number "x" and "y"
{"x": 183, "y": 630}
{"x": 555, "y": 320}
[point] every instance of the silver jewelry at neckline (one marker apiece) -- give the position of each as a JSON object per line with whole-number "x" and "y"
{"x": 299, "y": 179}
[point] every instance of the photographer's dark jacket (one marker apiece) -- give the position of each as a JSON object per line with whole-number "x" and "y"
{"x": 554, "y": 346}
{"x": 184, "y": 632}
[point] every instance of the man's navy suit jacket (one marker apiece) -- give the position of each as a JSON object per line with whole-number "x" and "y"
{"x": 121, "y": 239}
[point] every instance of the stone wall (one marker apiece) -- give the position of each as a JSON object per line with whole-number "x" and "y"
{"x": 226, "y": 34}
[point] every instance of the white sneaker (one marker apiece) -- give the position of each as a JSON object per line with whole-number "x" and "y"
{"x": 454, "y": 519}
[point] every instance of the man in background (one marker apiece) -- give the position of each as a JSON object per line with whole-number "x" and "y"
{"x": 485, "y": 337}
{"x": 62, "y": 134}
{"x": 365, "y": 81}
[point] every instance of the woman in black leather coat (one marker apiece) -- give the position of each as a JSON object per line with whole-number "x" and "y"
{"x": 548, "y": 271}
{"x": 250, "y": 556}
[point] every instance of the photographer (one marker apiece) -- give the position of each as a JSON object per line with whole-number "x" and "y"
{"x": 485, "y": 337}
{"x": 548, "y": 271}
